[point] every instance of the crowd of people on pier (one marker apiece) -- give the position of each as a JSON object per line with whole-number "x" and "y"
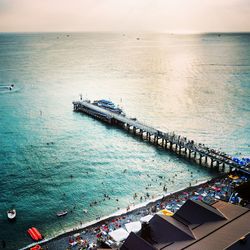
{"x": 202, "y": 148}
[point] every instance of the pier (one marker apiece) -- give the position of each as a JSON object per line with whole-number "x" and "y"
{"x": 170, "y": 141}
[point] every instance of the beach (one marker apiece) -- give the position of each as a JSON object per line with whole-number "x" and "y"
{"x": 220, "y": 187}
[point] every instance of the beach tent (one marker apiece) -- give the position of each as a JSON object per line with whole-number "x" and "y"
{"x": 119, "y": 234}
{"x": 134, "y": 226}
{"x": 146, "y": 218}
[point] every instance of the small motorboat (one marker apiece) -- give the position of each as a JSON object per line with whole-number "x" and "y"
{"x": 61, "y": 213}
{"x": 34, "y": 234}
{"x": 11, "y": 214}
{"x": 11, "y": 86}
{"x": 85, "y": 211}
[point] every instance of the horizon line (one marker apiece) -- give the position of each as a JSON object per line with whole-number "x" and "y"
{"x": 130, "y": 32}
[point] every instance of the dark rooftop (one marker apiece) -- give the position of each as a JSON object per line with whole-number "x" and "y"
{"x": 242, "y": 243}
{"x": 135, "y": 242}
{"x": 165, "y": 229}
{"x": 198, "y": 212}
{"x": 197, "y": 225}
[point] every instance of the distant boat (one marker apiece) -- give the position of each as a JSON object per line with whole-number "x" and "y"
{"x": 11, "y": 214}
{"x": 85, "y": 211}
{"x": 61, "y": 213}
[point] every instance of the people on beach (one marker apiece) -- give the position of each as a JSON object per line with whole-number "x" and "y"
{"x": 208, "y": 192}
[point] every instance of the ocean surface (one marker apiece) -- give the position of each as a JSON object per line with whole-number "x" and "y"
{"x": 53, "y": 159}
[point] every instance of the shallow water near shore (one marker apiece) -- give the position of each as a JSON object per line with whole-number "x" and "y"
{"x": 54, "y": 159}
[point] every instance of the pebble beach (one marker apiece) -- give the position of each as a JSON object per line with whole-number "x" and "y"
{"x": 88, "y": 235}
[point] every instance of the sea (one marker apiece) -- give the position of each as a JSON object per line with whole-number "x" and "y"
{"x": 53, "y": 159}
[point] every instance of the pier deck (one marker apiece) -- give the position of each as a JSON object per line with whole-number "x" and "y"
{"x": 169, "y": 141}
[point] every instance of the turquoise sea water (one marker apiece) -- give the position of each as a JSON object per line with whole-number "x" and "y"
{"x": 53, "y": 159}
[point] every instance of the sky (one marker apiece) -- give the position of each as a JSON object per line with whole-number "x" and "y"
{"x": 125, "y": 15}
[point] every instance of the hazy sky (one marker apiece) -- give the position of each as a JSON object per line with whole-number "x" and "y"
{"x": 125, "y": 15}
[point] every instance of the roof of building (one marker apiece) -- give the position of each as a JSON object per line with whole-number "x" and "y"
{"x": 242, "y": 243}
{"x": 198, "y": 212}
{"x": 165, "y": 229}
{"x": 198, "y": 226}
{"x": 134, "y": 242}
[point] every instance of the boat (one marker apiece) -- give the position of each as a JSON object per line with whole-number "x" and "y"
{"x": 11, "y": 86}
{"x": 61, "y": 213}
{"x": 85, "y": 211}
{"x": 11, "y": 214}
{"x": 108, "y": 105}
{"x": 34, "y": 234}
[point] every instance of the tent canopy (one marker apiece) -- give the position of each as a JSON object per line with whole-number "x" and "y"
{"x": 146, "y": 218}
{"x": 119, "y": 234}
{"x": 133, "y": 226}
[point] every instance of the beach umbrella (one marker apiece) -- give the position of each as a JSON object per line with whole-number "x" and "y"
{"x": 166, "y": 212}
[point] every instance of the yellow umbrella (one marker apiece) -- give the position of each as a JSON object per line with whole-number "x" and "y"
{"x": 166, "y": 212}
{"x": 233, "y": 177}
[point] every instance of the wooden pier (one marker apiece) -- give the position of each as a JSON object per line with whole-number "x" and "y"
{"x": 182, "y": 146}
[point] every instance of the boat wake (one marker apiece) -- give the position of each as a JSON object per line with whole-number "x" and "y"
{"x": 7, "y": 89}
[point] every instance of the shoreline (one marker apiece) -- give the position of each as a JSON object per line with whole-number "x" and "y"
{"x": 122, "y": 212}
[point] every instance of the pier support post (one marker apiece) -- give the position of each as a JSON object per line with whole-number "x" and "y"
{"x": 141, "y": 133}
{"x": 206, "y": 159}
{"x": 134, "y": 130}
{"x": 166, "y": 144}
{"x": 157, "y": 140}
{"x": 212, "y": 163}
{"x": 180, "y": 149}
{"x": 223, "y": 167}
{"x": 217, "y": 166}
{"x": 185, "y": 151}
{"x": 200, "y": 160}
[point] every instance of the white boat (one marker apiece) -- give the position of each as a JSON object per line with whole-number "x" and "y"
{"x": 110, "y": 106}
{"x": 61, "y": 213}
{"x": 11, "y": 214}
